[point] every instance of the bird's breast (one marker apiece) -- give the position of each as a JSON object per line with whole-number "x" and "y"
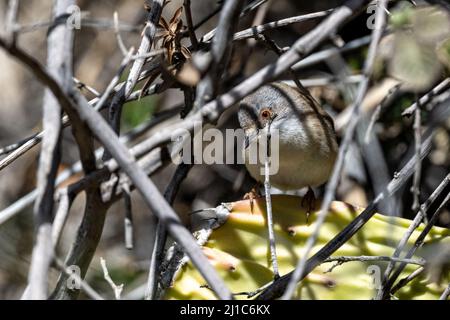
{"x": 303, "y": 158}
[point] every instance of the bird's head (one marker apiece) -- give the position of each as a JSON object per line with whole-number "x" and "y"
{"x": 272, "y": 103}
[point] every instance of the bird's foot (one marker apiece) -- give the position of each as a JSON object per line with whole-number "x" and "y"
{"x": 309, "y": 203}
{"x": 253, "y": 194}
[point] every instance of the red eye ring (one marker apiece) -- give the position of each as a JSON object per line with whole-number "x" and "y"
{"x": 266, "y": 113}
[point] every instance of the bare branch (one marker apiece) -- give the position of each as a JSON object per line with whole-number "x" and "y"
{"x": 253, "y": 31}
{"x": 115, "y": 80}
{"x": 59, "y": 61}
{"x": 85, "y": 23}
{"x": 161, "y": 234}
{"x": 403, "y": 282}
{"x": 445, "y": 294}
{"x": 327, "y": 53}
{"x": 128, "y": 220}
{"x": 60, "y": 216}
{"x": 80, "y": 85}
{"x": 122, "y": 46}
{"x": 415, "y": 188}
{"x": 11, "y": 17}
{"x": 116, "y": 288}
{"x": 111, "y": 165}
{"x": 387, "y": 100}
{"x": 19, "y": 149}
{"x": 190, "y": 26}
{"x": 90, "y": 292}
{"x": 343, "y": 259}
{"x": 445, "y": 84}
{"x": 247, "y": 9}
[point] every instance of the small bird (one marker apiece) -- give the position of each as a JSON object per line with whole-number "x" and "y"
{"x": 307, "y": 140}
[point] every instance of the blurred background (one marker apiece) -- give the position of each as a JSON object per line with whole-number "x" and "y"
{"x": 381, "y": 147}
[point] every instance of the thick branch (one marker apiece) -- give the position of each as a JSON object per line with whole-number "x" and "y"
{"x": 59, "y": 61}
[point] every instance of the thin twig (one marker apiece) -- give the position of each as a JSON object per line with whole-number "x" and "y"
{"x": 251, "y": 294}
{"x": 247, "y": 9}
{"x": 445, "y": 294}
{"x": 150, "y": 54}
{"x": 427, "y": 97}
{"x": 272, "y": 244}
{"x": 11, "y": 17}
{"x": 180, "y": 174}
{"x": 80, "y": 85}
{"x": 116, "y": 288}
{"x": 16, "y": 145}
{"x": 253, "y": 31}
{"x": 327, "y": 53}
{"x": 343, "y": 259}
{"x": 85, "y": 23}
{"x": 415, "y": 188}
{"x": 90, "y": 292}
{"x": 371, "y": 154}
{"x": 403, "y": 282}
{"x": 19, "y": 149}
{"x": 60, "y": 216}
{"x": 115, "y": 80}
{"x": 122, "y": 46}
{"x": 387, "y": 100}
{"x": 190, "y": 26}
{"x": 128, "y": 219}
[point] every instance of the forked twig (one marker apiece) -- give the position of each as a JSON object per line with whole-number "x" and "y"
{"x": 116, "y": 288}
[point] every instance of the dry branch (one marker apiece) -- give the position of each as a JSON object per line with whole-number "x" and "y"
{"x": 59, "y": 63}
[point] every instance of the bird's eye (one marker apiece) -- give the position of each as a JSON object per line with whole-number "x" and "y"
{"x": 266, "y": 114}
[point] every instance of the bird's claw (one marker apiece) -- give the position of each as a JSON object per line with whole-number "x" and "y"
{"x": 252, "y": 195}
{"x": 309, "y": 203}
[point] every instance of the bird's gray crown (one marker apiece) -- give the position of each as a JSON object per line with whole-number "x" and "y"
{"x": 279, "y": 98}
